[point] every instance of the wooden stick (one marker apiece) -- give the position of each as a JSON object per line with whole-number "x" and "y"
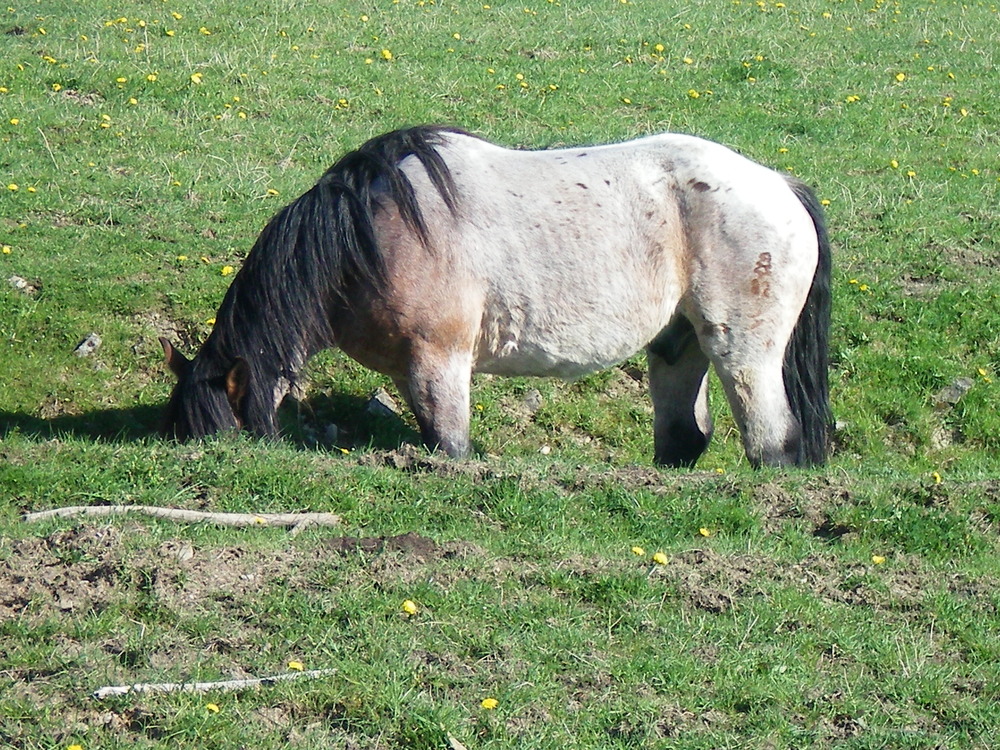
{"x": 204, "y": 687}
{"x": 287, "y": 520}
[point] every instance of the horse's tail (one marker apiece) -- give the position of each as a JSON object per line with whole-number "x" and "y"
{"x": 806, "y": 359}
{"x": 323, "y": 245}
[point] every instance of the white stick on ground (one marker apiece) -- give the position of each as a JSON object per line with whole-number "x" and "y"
{"x": 204, "y": 687}
{"x": 287, "y": 520}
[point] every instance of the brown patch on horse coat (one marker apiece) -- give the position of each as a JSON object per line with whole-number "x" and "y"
{"x": 416, "y": 312}
{"x": 760, "y": 284}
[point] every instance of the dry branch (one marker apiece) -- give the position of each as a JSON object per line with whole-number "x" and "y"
{"x": 204, "y": 687}
{"x": 297, "y": 521}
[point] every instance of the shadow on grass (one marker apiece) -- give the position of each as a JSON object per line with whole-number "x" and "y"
{"x": 340, "y": 420}
{"x": 306, "y": 424}
{"x": 125, "y": 425}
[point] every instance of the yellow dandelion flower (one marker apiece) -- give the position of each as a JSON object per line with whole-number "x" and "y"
{"x": 626, "y": 100}
{"x": 911, "y": 173}
{"x": 170, "y": 32}
{"x": 878, "y": 559}
{"x": 226, "y": 270}
{"x": 182, "y": 258}
{"x": 900, "y": 77}
{"x": 894, "y": 164}
{"x": 705, "y": 531}
{"x": 693, "y": 93}
{"x": 386, "y": 54}
{"x": 152, "y": 77}
{"x": 204, "y": 31}
{"x": 687, "y": 61}
{"x": 296, "y": 665}
{"x": 13, "y": 187}
{"x": 177, "y": 16}
{"x": 210, "y": 322}
{"x": 658, "y": 47}
{"x": 212, "y": 708}
{"x": 659, "y": 558}
{"x": 14, "y": 121}
{"x": 936, "y": 477}
{"x": 638, "y": 551}
{"x": 489, "y": 703}
{"x": 272, "y": 191}
{"x": 7, "y": 249}
{"x": 410, "y": 607}
{"x": 196, "y": 78}
{"x": 74, "y": 747}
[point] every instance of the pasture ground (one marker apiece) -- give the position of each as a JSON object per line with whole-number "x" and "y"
{"x": 144, "y": 144}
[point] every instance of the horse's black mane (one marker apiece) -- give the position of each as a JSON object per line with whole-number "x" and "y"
{"x": 316, "y": 249}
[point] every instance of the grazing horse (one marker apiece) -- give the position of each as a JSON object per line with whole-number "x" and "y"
{"x": 428, "y": 254}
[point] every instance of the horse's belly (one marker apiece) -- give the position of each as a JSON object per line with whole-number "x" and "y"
{"x": 561, "y": 348}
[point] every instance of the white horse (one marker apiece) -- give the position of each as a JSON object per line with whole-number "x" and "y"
{"x": 429, "y": 254}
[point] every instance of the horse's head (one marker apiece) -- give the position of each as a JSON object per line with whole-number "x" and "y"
{"x": 209, "y": 397}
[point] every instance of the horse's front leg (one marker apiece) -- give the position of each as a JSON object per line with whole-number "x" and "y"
{"x": 437, "y": 390}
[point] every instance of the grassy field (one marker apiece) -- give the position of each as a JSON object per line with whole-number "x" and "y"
{"x": 143, "y": 145}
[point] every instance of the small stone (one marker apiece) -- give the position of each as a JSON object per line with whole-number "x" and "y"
{"x": 532, "y": 401}
{"x": 88, "y": 346}
{"x": 22, "y": 285}
{"x": 951, "y": 394}
{"x": 381, "y": 404}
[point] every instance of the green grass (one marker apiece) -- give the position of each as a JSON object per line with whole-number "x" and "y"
{"x": 138, "y": 184}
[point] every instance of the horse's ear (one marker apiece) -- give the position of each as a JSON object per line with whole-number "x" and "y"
{"x": 237, "y": 383}
{"x": 176, "y": 361}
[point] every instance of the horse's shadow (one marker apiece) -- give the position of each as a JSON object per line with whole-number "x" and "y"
{"x": 125, "y": 425}
{"x": 320, "y": 422}
{"x": 334, "y": 420}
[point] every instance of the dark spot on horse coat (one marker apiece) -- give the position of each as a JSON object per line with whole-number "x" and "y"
{"x": 580, "y": 184}
{"x": 580, "y": 155}
{"x": 608, "y": 183}
{"x": 721, "y": 333}
{"x": 701, "y": 187}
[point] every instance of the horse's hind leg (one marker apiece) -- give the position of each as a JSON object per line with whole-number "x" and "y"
{"x": 751, "y": 371}
{"x": 678, "y": 385}
{"x": 437, "y": 390}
